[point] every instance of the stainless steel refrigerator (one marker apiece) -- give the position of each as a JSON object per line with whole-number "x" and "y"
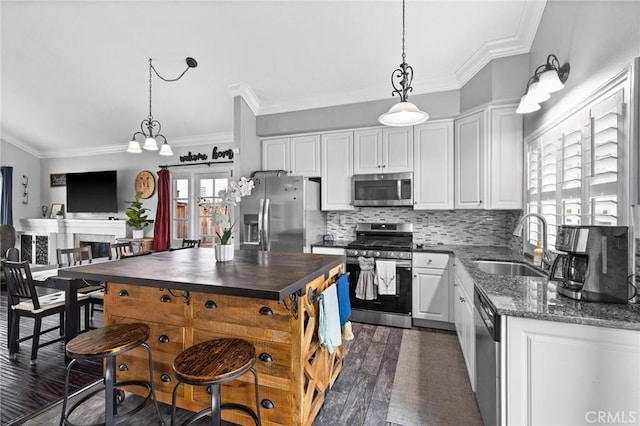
{"x": 282, "y": 214}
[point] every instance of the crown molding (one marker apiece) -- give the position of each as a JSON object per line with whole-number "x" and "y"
{"x": 246, "y": 92}
{"x": 18, "y": 143}
{"x": 516, "y": 45}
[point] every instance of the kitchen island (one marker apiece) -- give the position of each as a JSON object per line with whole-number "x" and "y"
{"x": 186, "y": 297}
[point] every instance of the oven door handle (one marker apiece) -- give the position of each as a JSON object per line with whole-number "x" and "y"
{"x": 399, "y": 263}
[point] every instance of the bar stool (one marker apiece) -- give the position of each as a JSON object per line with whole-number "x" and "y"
{"x": 212, "y": 363}
{"x": 107, "y": 342}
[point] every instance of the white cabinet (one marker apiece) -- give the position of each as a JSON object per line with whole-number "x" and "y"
{"x": 383, "y": 150}
{"x": 488, "y": 162}
{"x": 463, "y": 315}
{"x": 298, "y": 156}
{"x": 337, "y": 169}
{"x": 337, "y": 251}
{"x": 570, "y": 374}
{"x": 470, "y": 163}
{"x": 431, "y": 286}
{"x": 505, "y": 158}
{"x": 433, "y": 165}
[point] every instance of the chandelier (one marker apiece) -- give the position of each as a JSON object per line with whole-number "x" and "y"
{"x": 153, "y": 126}
{"x": 404, "y": 113}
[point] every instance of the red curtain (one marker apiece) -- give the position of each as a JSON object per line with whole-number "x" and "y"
{"x": 162, "y": 224}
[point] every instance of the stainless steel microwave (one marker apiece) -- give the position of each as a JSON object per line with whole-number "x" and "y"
{"x": 383, "y": 189}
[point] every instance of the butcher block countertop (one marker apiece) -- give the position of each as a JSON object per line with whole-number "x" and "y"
{"x": 257, "y": 274}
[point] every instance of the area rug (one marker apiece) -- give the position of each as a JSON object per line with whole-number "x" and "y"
{"x": 431, "y": 385}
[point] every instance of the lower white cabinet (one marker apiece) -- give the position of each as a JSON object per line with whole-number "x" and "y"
{"x": 463, "y": 315}
{"x": 328, "y": 250}
{"x": 431, "y": 286}
{"x": 570, "y": 374}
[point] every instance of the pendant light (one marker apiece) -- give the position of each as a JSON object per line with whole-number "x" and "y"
{"x": 152, "y": 126}
{"x": 404, "y": 113}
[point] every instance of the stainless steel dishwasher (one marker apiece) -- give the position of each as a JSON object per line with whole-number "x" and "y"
{"x": 487, "y": 324}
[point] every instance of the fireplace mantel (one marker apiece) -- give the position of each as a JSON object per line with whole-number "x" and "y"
{"x": 64, "y": 233}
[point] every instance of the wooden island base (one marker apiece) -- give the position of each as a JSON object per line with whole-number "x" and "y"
{"x": 293, "y": 370}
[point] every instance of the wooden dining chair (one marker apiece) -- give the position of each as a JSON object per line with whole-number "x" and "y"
{"x": 119, "y": 250}
{"x": 77, "y": 256}
{"x": 190, "y": 243}
{"x": 25, "y": 302}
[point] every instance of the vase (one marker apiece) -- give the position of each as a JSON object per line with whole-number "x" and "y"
{"x": 138, "y": 234}
{"x": 223, "y": 252}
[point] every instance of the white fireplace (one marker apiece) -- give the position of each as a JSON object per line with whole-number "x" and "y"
{"x": 66, "y": 233}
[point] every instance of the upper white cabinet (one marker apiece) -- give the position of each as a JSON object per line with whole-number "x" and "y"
{"x": 505, "y": 158}
{"x": 383, "y": 150}
{"x": 298, "y": 156}
{"x": 433, "y": 165}
{"x": 488, "y": 165}
{"x": 470, "y": 163}
{"x": 337, "y": 169}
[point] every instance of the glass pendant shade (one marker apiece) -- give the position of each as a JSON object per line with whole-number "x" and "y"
{"x": 537, "y": 94}
{"x": 134, "y": 147}
{"x": 550, "y": 82}
{"x": 526, "y": 105}
{"x": 403, "y": 114}
{"x": 150, "y": 144}
{"x": 166, "y": 149}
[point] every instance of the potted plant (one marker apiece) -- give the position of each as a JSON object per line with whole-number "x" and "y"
{"x": 137, "y": 216}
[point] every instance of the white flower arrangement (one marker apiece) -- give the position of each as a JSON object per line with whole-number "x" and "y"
{"x": 230, "y": 197}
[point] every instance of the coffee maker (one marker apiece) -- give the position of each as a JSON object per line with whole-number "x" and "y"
{"x": 592, "y": 264}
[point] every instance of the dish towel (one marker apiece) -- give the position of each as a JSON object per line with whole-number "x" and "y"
{"x": 386, "y": 277}
{"x": 329, "y": 332}
{"x": 366, "y": 286}
{"x": 345, "y": 306}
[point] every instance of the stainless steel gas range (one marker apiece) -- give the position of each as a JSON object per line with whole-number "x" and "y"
{"x": 389, "y": 242}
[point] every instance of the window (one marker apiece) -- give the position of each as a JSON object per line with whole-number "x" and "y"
{"x": 577, "y": 170}
{"x": 194, "y": 196}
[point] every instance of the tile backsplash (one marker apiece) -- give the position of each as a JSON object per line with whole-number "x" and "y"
{"x": 476, "y": 227}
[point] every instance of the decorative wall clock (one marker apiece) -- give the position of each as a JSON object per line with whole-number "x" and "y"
{"x": 145, "y": 183}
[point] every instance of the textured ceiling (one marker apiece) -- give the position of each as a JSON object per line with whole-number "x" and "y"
{"x": 75, "y": 74}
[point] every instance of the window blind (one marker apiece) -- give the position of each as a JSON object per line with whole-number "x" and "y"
{"x": 575, "y": 170}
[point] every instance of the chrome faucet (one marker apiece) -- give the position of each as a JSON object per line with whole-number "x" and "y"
{"x": 546, "y": 260}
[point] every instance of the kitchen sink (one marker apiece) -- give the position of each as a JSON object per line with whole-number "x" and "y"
{"x": 514, "y": 269}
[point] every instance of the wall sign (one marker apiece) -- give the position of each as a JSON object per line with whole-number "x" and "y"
{"x": 215, "y": 155}
{"x": 57, "y": 179}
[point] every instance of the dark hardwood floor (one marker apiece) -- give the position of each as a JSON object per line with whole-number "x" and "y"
{"x": 25, "y": 389}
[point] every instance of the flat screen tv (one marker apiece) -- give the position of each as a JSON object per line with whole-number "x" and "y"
{"x": 92, "y": 192}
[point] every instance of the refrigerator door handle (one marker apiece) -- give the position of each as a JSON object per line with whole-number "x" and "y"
{"x": 267, "y": 220}
{"x": 260, "y": 227}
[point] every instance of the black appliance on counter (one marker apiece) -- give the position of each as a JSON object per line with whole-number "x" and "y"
{"x": 382, "y": 241}
{"x": 593, "y": 263}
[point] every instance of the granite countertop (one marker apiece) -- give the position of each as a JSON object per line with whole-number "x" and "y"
{"x": 536, "y": 298}
{"x": 334, "y": 243}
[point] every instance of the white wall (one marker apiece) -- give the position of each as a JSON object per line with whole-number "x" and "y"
{"x": 26, "y": 164}
{"x": 245, "y": 138}
{"x": 598, "y": 39}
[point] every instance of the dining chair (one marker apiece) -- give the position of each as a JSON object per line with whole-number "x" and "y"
{"x": 190, "y": 243}
{"x": 118, "y": 250}
{"x": 25, "y": 302}
{"x": 77, "y": 256}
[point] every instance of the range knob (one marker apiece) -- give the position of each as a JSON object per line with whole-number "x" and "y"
{"x": 377, "y": 254}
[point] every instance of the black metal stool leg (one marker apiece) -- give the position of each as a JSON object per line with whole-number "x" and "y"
{"x": 153, "y": 387}
{"x": 173, "y": 403}
{"x": 255, "y": 375}
{"x": 215, "y": 404}
{"x": 109, "y": 390}
{"x": 63, "y": 417}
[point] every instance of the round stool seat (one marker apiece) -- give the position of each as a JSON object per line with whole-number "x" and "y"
{"x": 108, "y": 341}
{"x": 216, "y": 360}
